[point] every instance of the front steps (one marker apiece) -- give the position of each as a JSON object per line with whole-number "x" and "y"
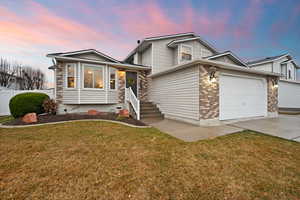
{"x": 150, "y": 110}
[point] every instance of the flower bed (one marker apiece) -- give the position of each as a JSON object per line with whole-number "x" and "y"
{"x": 42, "y": 119}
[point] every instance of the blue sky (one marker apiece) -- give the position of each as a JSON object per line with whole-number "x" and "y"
{"x": 252, "y": 29}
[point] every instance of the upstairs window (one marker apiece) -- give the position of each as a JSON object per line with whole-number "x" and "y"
{"x": 112, "y": 78}
{"x": 283, "y": 70}
{"x": 70, "y": 74}
{"x": 186, "y": 53}
{"x": 290, "y": 74}
{"x": 93, "y": 77}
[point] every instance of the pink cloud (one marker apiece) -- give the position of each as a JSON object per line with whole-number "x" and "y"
{"x": 44, "y": 28}
{"x": 150, "y": 19}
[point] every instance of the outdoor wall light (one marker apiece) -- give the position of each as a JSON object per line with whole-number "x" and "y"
{"x": 212, "y": 74}
{"x": 274, "y": 83}
{"x": 212, "y": 77}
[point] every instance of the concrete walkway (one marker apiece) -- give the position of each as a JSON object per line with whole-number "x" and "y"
{"x": 188, "y": 132}
{"x": 285, "y": 126}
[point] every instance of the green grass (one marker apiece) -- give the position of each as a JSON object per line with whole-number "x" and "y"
{"x": 100, "y": 160}
{"x": 5, "y": 119}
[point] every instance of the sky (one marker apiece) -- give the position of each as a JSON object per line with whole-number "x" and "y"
{"x": 252, "y": 29}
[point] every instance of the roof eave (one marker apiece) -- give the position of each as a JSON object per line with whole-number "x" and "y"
{"x": 215, "y": 64}
{"x": 121, "y": 65}
{"x": 268, "y": 61}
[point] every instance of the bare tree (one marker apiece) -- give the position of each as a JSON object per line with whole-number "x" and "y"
{"x": 7, "y": 73}
{"x": 26, "y": 77}
{"x": 32, "y": 78}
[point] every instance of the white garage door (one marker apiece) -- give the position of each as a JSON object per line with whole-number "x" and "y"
{"x": 242, "y": 97}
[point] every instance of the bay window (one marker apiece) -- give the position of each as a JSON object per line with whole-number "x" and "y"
{"x": 186, "y": 53}
{"x": 70, "y": 75}
{"x": 112, "y": 78}
{"x": 93, "y": 77}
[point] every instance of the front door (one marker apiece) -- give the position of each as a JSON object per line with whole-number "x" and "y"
{"x": 131, "y": 81}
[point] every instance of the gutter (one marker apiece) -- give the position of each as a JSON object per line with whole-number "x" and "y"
{"x": 126, "y": 66}
{"x": 218, "y": 64}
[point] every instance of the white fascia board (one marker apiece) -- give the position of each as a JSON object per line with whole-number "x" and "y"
{"x": 89, "y": 51}
{"x": 175, "y": 42}
{"x": 221, "y": 65}
{"x": 268, "y": 61}
{"x": 129, "y": 66}
{"x": 157, "y": 38}
{"x": 225, "y": 54}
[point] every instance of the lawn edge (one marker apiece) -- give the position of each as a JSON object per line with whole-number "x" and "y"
{"x": 78, "y": 120}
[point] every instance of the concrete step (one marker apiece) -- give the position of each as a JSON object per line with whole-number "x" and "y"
{"x": 152, "y": 115}
{"x": 151, "y": 112}
{"x": 148, "y": 108}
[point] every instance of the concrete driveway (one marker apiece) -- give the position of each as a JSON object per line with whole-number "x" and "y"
{"x": 188, "y": 132}
{"x": 285, "y": 126}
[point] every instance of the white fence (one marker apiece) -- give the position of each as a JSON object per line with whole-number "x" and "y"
{"x": 6, "y": 95}
{"x": 288, "y": 94}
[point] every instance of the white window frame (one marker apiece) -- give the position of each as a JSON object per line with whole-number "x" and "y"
{"x": 75, "y": 76}
{"x": 116, "y": 78}
{"x": 180, "y": 52}
{"x": 103, "y": 75}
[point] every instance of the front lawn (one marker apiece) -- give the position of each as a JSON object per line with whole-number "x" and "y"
{"x": 101, "y": 160}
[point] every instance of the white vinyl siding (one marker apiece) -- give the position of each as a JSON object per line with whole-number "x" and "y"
{"x": 288, "y": 94}
{"x": 264, "y": 67}
{"x": 225, "y": 59}
{"x": 163, "y": 57}
{"x": 177, "y": 93}
{"x": 92, "y": 56}
{"x": 147, "y": 57}
{"x": 82, "y": 95}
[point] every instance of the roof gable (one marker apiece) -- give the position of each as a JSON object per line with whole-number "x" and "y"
{"x": 91, "y": 54}
{"x": 267, "y": 60}
{"x": 227, "y": 57}
{"x": 174, "y": 43}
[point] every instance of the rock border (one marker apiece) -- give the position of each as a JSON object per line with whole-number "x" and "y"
{"x": 76, "y": 120}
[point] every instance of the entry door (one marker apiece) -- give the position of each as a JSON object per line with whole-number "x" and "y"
{"x": 242, "y": 97}
{"x": 131, "y": 81}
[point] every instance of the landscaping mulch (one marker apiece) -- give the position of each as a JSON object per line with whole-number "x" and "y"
{"x": 43, "y": 119}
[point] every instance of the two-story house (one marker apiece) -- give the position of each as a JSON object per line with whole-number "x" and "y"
{"x": 289, "y": 83}
{"x": 179, "y": 76}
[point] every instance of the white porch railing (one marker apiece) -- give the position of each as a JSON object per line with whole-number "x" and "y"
{"x": 133, "y": 100}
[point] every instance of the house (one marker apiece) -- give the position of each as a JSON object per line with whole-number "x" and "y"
{"x": 289, "y": 83}
{"x": 179, "y": 76}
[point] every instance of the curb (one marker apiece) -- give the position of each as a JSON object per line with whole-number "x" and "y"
{"x": 61, "y": 122}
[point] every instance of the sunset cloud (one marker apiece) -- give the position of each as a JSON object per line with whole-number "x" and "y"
{"x": 30, "y": 29}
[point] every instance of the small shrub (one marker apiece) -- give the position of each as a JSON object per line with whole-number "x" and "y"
{"x": 50, "y": 106}
{"x": 31, "y": 102}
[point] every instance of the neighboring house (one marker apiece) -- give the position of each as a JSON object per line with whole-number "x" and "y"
{"x": 283, "y": 64}
{"x": 181, "y": 76}
{"x": 14, "y": 83}
{"x": 289, "y": 84}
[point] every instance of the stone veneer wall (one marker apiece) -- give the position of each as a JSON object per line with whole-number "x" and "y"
{"x": 272, "y": 95}
{"x": 59, "y": 82}
{"x": 143, "y": 85}
{"x": 121, "y": 87}
{"x": 209, "y": 94}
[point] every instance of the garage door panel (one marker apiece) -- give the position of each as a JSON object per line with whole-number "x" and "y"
{"x": 242, "y": 97}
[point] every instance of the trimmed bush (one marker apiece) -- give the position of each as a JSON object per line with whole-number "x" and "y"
{"x": 31, "y": 102}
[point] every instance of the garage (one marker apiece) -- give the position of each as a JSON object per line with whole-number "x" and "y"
{"x": 242, "y": 97}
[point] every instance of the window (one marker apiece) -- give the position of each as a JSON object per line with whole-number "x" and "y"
{"x": 186, "y": 53}
{"x": 283, "y": 70}
{"x": 70, "y": 71}
{"x": 290, "y": 74}
{"x": 112, "y": 78}
{"x": 93, "y": 77}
